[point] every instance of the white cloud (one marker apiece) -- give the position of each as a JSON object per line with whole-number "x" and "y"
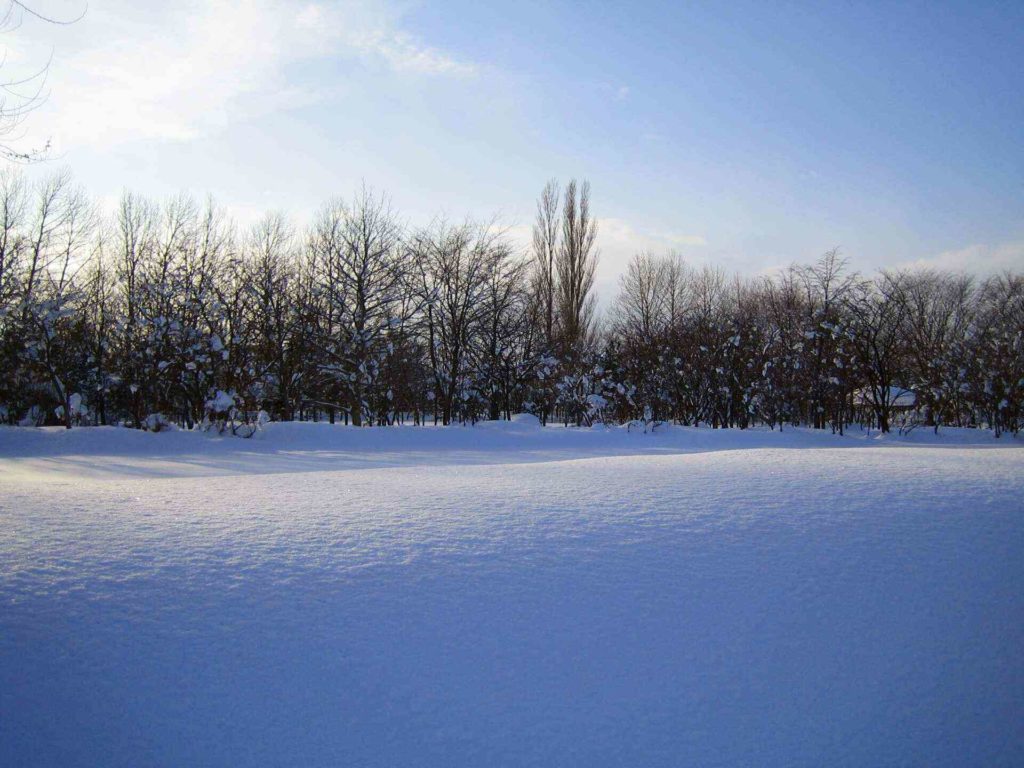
{"x": 404, "y": 54}
{"x": 977, "y": 259}
{"x": 619, "y": 235}
{"x": 176, "y": 71}
{"x": 373, "y": 31}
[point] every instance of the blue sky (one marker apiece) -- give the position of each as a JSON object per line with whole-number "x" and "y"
{"x": 747, "y": 135}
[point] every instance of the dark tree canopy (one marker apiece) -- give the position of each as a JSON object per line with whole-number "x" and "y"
{"x": 165, "y": 313}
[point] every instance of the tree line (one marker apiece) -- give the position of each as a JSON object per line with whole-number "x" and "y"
{"x": 162, "y": 314}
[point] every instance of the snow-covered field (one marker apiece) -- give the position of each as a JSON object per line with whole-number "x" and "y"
{"x": 510, "y": 595}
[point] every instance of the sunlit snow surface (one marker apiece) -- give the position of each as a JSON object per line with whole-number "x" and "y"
{"x": 510, "y": 596}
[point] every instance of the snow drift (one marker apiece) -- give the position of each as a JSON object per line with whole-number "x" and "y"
{"x": 510, "y": 595}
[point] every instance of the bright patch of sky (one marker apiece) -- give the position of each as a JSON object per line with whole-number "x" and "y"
{"x": 747, "y": 135}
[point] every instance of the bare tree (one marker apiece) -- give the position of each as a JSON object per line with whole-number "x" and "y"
{"x": 49, "y": 217}
{"x": 101, "y": 317}
{"x": 12, "y": 216}
{"x": 22, "y": 95}
{"x": 270, "y": 271}
{"x": 135, "y": 234}
{"x": 358, "y": 256}
{"x": 504, "y": 336}
{"x": 827, "y": 285}
{"x": 643, "y": 307}
{"x": 876, "y": 320}
{"x": 577, "y": 262}
{"x": 997, "y": 353}
{"x": 937, "y": 321}
{"x": 163, "y": 314}
{"x": 454, "y": 264}
{"x": 64, "y": 225}
{"x": 545, "y": 254}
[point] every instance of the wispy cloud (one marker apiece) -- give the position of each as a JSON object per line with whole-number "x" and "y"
{"x": 980, "y": 258}
{"x": 618, "y": 232}
{"x": 373, "y": 31}
{"x": 181, "y": 70}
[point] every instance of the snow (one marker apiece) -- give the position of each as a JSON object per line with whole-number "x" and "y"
{"x": 222, "y": 401}
{"x": 508, "y": 594}
{"x": 75, "y": 401}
